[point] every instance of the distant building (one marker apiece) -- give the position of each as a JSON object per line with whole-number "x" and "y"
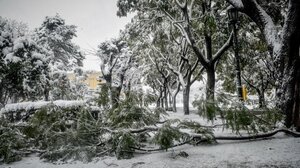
{"x": 92, "y": 80}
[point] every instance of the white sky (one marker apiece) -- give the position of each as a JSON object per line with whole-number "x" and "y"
{"x": 96, "y": 19}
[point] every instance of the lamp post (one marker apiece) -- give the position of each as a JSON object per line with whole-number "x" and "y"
{"x": 233, "y": 18}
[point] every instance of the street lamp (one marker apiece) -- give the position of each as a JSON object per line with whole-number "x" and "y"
{"x": 233, "y": 19}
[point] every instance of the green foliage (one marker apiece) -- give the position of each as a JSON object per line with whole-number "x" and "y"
{"x": 159, "y": 111}
{"x": 252, "y": 122}
{"x": 207, "y": 109}
{"x": 196, "y": 127}
{"x": 44, "y": 124}
{"x": 130, "y": 115}
{"x": 12, "y": 140}
{"x": 82, "y": 153}
{"x": 238, "y": 120}
{"x": 103, "y": 99}
{"x": 269, "y": 119}
{"x": 167, "y": 135}
{"x": 122, "y": 143}
{"x": 64, "y": 133}
{"x": 236, "y": 116}
{"x": 210, "y": 22}
{"x": 140, "y": 98}
{"x": 149, "y": 99}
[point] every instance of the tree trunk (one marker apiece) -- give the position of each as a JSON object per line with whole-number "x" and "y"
{"x": 186, "y": 97}
{"x": 296, "y": 109}
{"x": 262, "y": 101}
{"x": 115, "y": 96}
{"x": 159, "y": 101}
{"x": 47, "y": 91}
{"x": 170, "y": 99}
{"x": 128, "y": 91}
{"x": 174, "y": 99}
{"x": 291, "y": 75}
{"x": 210, "y": 85}
{"x": 174, "y": 103}
{"x": 261, "y": 98}
{"x": 165, "y": 98}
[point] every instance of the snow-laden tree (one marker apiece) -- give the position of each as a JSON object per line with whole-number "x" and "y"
{"x": 283, "y": 41}
{"x": 24, "y": 64}
{"x": 145, "y": 72}
{"x": 55, "y": 35}
{"x": 144, "y": 44}
{"x": 171, "y": 53}
{"x": 116, "y": 59}
{"x": 201, "y": 23}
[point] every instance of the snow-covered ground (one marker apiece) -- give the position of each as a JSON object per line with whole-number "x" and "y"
{"x": 279, "y": 151}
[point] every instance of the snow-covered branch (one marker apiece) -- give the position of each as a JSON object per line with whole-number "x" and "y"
{"x": 178, "y": 74}
{"x": 224, "y": 48}
{"x": 236, "y": 3}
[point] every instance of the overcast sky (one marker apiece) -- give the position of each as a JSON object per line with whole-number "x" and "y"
{"x": 96, "y": 19}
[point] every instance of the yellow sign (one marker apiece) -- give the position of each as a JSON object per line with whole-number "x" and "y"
{"x": 244, "y": 89}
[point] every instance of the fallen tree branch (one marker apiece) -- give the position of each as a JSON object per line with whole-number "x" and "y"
{"x": 258, "y": 136}
{"x": 160, "y": 149}
{"x": 204, "y": 139}
{"x": 143, "y": 129}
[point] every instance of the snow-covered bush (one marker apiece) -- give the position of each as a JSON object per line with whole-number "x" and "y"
{"x": 23, "y": 111}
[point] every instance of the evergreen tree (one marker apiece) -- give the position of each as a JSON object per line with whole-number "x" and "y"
{"x": 24, "y": 64}
{"x": 55, "y": 35}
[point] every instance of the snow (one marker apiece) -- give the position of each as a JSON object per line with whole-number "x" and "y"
{"x": 38, "y": 63}
{"x": 18, "y": 44}
{"x": 6, "y": 50}
{"x": 38, "y": 56}
{"x": 39, "y": 104}
{"x": 95, "y": 108}
{"x": 237, "y": 3}
{"x": 106, "y": 70}
{"x": 11, "y": 58}
{"x": 68, "y": 104}
{"x": 23, "y": 106}
{"x": 279, "y": 152}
